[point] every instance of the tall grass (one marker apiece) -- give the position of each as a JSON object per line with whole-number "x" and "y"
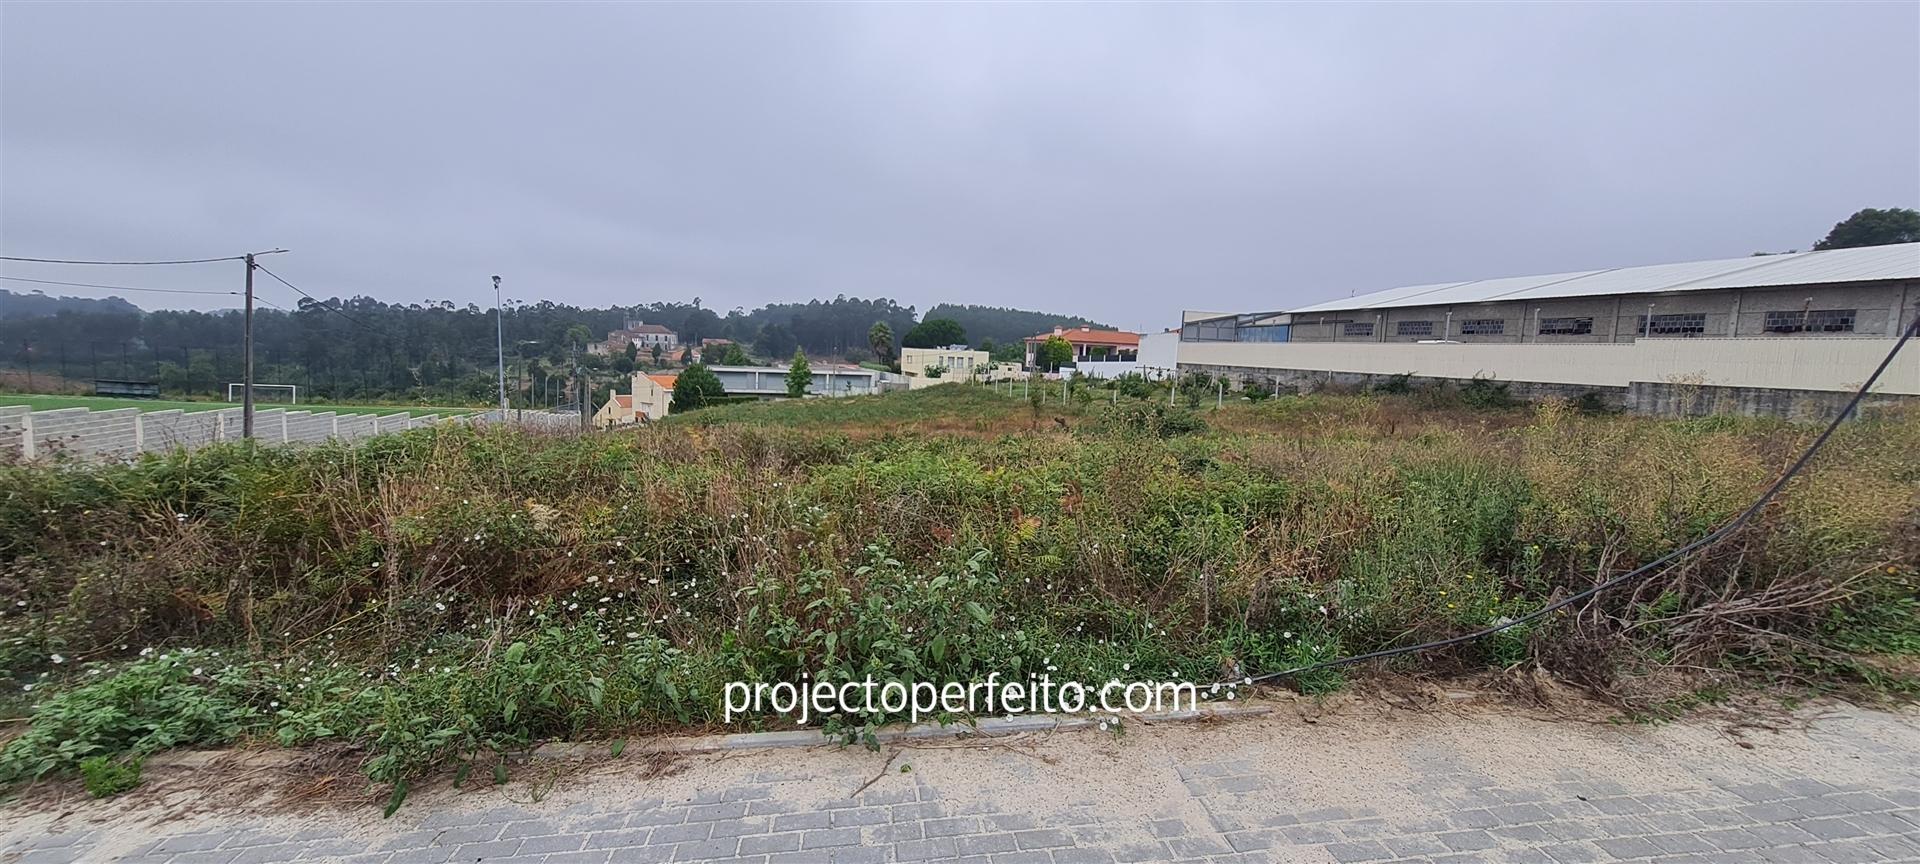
{"x": 454, "y": 593}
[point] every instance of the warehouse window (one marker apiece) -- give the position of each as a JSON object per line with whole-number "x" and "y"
{"x": 1483, "y": 327}
{"x": 1815, "y": 321}
{"x": 1566, "y": 326}
{"x": 1264, "y": 333}
{"x": 1682, "y": 324}
{"x": 1413, "y": 328}
{"x": 1358, "y": 329}
{"x": 1216, "y": 330}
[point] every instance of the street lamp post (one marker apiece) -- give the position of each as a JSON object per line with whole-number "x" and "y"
{"x": 500, "y": 344}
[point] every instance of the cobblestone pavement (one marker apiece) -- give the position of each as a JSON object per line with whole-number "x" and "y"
{"x": 1346, "y": 786}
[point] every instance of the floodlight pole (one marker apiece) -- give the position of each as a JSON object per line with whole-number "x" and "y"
{"x": 500, "y": 344}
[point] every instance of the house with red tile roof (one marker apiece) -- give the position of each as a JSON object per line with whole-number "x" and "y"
{"x": 1089, "y": 345}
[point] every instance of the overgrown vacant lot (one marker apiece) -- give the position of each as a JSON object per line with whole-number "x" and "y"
{"x": 452, "y": 594}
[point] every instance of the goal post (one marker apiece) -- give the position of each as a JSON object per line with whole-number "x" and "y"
{"x": 291, "y": 392}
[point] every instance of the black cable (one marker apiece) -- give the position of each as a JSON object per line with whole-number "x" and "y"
{"x": 114, "y": 287}
{"x": 317, "y": 301}
{"x": 124, "y": 263}
{"x": 1711, "y": 537}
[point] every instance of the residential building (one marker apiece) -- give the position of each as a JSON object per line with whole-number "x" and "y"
{"x": 651, "y": 399}
{"x": 652, "y": 394}
{"x": 617, "y": 412}
{"x": 1089, "y": 345}
{"x": 1793, "y": 323}
{"x": 639, "y": 334}
{"x": 925, "y": 367}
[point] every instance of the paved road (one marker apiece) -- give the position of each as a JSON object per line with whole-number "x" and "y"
{"x": 1354, "y": 784}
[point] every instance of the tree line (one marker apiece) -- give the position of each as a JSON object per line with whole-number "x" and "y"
{"x": 435, "y": 352}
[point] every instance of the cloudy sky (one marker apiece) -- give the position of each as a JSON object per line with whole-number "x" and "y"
{"x": 1118, "y": 161}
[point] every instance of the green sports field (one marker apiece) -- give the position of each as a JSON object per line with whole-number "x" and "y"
{"x": 105, "y": 403}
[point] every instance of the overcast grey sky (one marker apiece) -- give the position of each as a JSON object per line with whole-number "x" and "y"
{"x": 1118, "y": 161}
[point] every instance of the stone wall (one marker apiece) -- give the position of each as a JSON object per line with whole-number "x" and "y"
{"x": 1312, "y": 380}
{"x": 1661, "y": 399}
{"x": 1657, "y": 399}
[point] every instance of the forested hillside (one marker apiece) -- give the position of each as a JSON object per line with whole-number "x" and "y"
{"x": 1003, "y": 325}
{"x": 32, "y": 304}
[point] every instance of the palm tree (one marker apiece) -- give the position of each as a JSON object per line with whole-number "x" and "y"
{"x": 880, "y": 338}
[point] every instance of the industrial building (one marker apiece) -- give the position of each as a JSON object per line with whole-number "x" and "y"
{"x": 1808, "y": 321}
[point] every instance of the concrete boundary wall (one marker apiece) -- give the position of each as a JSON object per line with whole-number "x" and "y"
{"x": 125, "y": 432}
{"x": 1105, "y": 368}
{"x": 176, "y": 429}
{"x": 13, "y": 428}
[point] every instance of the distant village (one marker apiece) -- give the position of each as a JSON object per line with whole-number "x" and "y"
{"x": 1081, "y": 350}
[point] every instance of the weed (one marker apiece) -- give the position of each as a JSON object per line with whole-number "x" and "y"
{"x": 105, "y": 776}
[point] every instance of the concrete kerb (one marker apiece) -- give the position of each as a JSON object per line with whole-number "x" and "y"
{"x": 989, "y": 727}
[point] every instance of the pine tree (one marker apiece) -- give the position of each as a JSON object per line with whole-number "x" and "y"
{"x": 799, "y": 375}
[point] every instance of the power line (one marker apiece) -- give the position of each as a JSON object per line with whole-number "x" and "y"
{"x": 317, "y": 301}
{"x": 126, "y": 263}
{"x": 1710, "y": 538}
{"x": 114, "y": 287}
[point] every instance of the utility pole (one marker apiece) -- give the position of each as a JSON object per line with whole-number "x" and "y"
{"x": 246, "y": 375}
{"x": 586, "y": 390}
{"x": 586, "y": 398}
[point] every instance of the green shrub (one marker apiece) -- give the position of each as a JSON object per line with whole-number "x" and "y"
{"x": 105, "y": 776}
{"x": 1398, "y": 384}
{"x": 1486, "y": 393}
{"x": 1154, "y": 418}
{"x": 150, "y": 706}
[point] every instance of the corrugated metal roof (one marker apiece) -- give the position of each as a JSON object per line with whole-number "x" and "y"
{"x": 1866, "y": 264}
